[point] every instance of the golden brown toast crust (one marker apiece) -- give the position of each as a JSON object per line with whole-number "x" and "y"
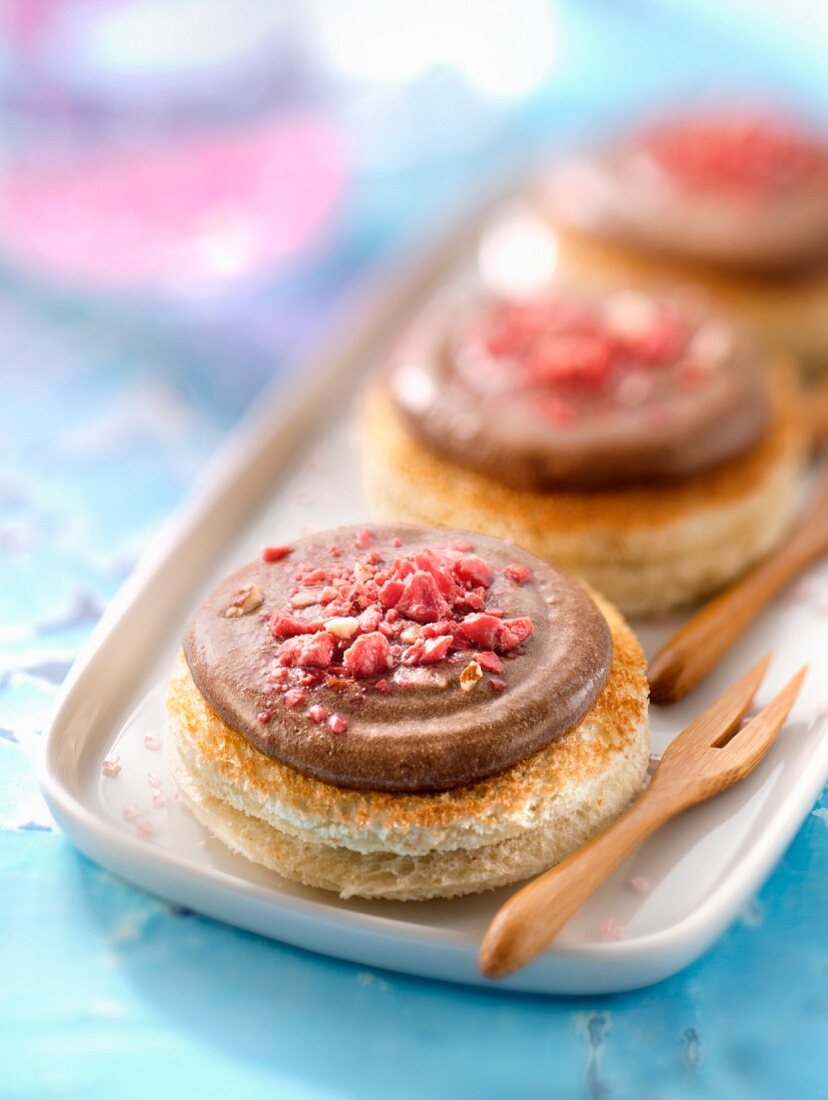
{"x": 617, "y": 716}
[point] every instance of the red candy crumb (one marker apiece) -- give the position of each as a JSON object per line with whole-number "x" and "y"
{"x": 276, "y": 553}
{"x": 660, "y": 343}
{"x": 497, "y": 683}
{"x": 427, "y": 651}
{"x": 390, "y": 593}
{"x": 370, "y": 619}
{"x": 307, "y": 651}
{"x": 295, "y": 697}
{"x": 368, "y": 655}
{"x": 575, "y": 360}
{"x": 285, "y": 625}
{"x": 518, "y": 573}
{"x": 474, "y": 570}
{"x": 318, "y": 713}
{"x": 480, "y": 629}
{"x": 512, "y": 633}
{"x": 489, "y": 661}
{"x": 421, "y": 600}
{"x": 337, "y": 724}
{"x": 364, "y": 539}
{"x": 499, "y": 634}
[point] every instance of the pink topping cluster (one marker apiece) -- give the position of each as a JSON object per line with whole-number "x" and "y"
{"x": 377, "y": 620}
{"x": 744, "y": 152}
{"x": 570, "y": 351}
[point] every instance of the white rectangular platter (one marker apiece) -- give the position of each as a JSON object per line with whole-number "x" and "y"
{"x": 293, "y": 467}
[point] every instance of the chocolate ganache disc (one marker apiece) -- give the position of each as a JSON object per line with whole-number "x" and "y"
{"x": 742, "y": 188}
{"x": 399, "y": 658}
{"x": 577, "y": 390}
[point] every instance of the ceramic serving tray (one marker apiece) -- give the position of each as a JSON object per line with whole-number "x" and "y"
{"x": 290, "y": 468}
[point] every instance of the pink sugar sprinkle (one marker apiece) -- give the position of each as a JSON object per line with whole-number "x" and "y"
{"x": 364, "y": 539}
{"x": 653, "y": 762}
{"x": 144, "y": 827}
{"x": 276, "y": 553}
{"x": 295, "y": 697}
{"x": 154, "y": 780}
{"x": 611, "y": 930}
{"x": 111, "y": 767}
{"x": 337, "y": 724}
{"x": 152, "y": 741}
{"x": 497, "y": 683}
{"x": 640, "y": 884}
{"x": 130, "y": 811}
{"x": 318, "y": 712}
{"x": 518, "y": 572}
{"x": 396, "y": 541}
{"x": 158, "y": 799}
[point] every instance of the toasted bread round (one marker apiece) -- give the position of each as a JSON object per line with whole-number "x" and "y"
{"x": 376, "y": 844}
{"x": 647, "y": 548}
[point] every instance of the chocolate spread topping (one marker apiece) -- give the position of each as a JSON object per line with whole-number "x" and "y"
{"x": 399, "y": 658}
{"x": 579, "y": 391}
{"x": 737, "y": 189}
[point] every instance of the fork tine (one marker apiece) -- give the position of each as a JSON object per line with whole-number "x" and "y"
{"x": 727, "y": 712}
{"x": 750, "y": 744}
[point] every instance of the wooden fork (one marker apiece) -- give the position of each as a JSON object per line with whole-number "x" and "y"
{"x": 708, "y": 757}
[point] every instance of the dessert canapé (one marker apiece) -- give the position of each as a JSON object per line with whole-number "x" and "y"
{"x": 734, "y": 187}
{"x": 637, "y": 438}
{"x": 399, "y": 661}
{"x": 582, "y": 391}
{"x": 366, "y": 695}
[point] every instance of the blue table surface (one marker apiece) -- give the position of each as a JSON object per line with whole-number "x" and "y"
{"x": 105, "y": 421}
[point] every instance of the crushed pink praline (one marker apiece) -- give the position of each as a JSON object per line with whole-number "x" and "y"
{"x": 276, "y": 553}
{"x": 611, "y": 930}
{"x": 571, "y": 354}
{"x": 746, "y": 151}
{"x": 361, "y": 624}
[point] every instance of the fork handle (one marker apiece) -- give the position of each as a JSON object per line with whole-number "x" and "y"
{"x": 697, "y": 647}
{"x": 531, "y": 918}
